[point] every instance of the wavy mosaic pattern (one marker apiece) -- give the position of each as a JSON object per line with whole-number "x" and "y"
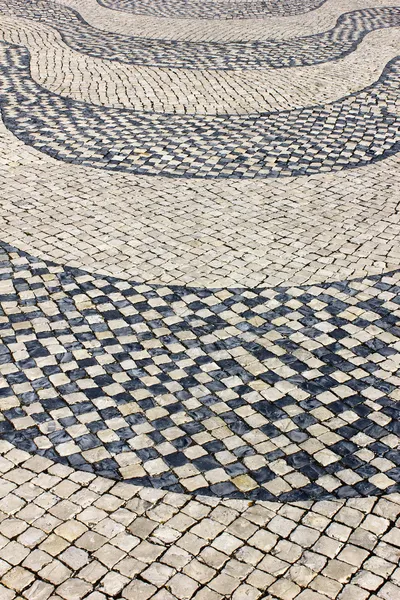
{"x": 210, "y": 9}
{"x": 202, "y": 233}
{"x": 189, "y": 91}
{"x": 199, "y": 369}
{"x": 330, "y": 45}
{"x": 264, "y": 394}
{"x": 217, "y": 30}
{"x": 355, "y": 131}
{"x": 286, "y": 394}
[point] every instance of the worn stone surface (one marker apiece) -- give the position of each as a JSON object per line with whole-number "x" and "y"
{"x": 199, "y": 374}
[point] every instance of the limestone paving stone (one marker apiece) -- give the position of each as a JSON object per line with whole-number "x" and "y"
{"x": 271, "y": 567}
{"x": 199, "y": 300}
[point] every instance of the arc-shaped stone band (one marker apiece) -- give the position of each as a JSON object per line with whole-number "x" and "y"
{"x": 354, "y": 131}
{"x": 275, "y": 394}
{"x": 277, "y": 28}
{"x": 330, "y": 45}
{"x": 189, "y": 91}
{"x": 214, "y": 9}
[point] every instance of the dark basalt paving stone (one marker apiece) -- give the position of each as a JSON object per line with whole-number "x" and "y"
{"x": 327, "y": 46}
{"x": 352, "y": 132}
{"x": 247, "y": 9}
{"x": 136, "y": 399}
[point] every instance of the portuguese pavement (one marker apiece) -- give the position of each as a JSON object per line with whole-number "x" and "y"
{"x": 199, "y": 300}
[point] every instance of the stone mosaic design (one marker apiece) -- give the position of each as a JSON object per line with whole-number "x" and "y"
{"x": 330, "y": 45}
{"x": 199, "y": 378}
{"x": 269, "y": 393}
{"x": 285, "y": 231}
{"x": 213, "y": 9}
{"x": 220, "y": 30}
{"x": 355, "y": 131}
{"x": 189, "y": 91}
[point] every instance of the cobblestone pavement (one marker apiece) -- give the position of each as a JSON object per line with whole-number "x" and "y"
{"x": 287, "y": 27}
{"x": 199, "y": 300}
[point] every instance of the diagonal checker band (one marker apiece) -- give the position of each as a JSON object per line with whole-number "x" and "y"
{"x": 323, "y": 47}
{"x": 355, "y": 131}
{"x": 282, "y": 393}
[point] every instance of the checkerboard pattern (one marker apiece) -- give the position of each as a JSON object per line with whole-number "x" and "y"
{"x": 275, "y": 393}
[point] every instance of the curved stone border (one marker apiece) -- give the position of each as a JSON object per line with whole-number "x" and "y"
{"x": 279, "y": 394}
{"x": 355, "y": 131}
{"x": 188, "y": 91}
{"x": 113, "y": 538}
{"x": 214, "y": 9}
{"x": 195, "y": 30}
{"x": 202, "y": 233}
{"x": 331, "y": 45}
